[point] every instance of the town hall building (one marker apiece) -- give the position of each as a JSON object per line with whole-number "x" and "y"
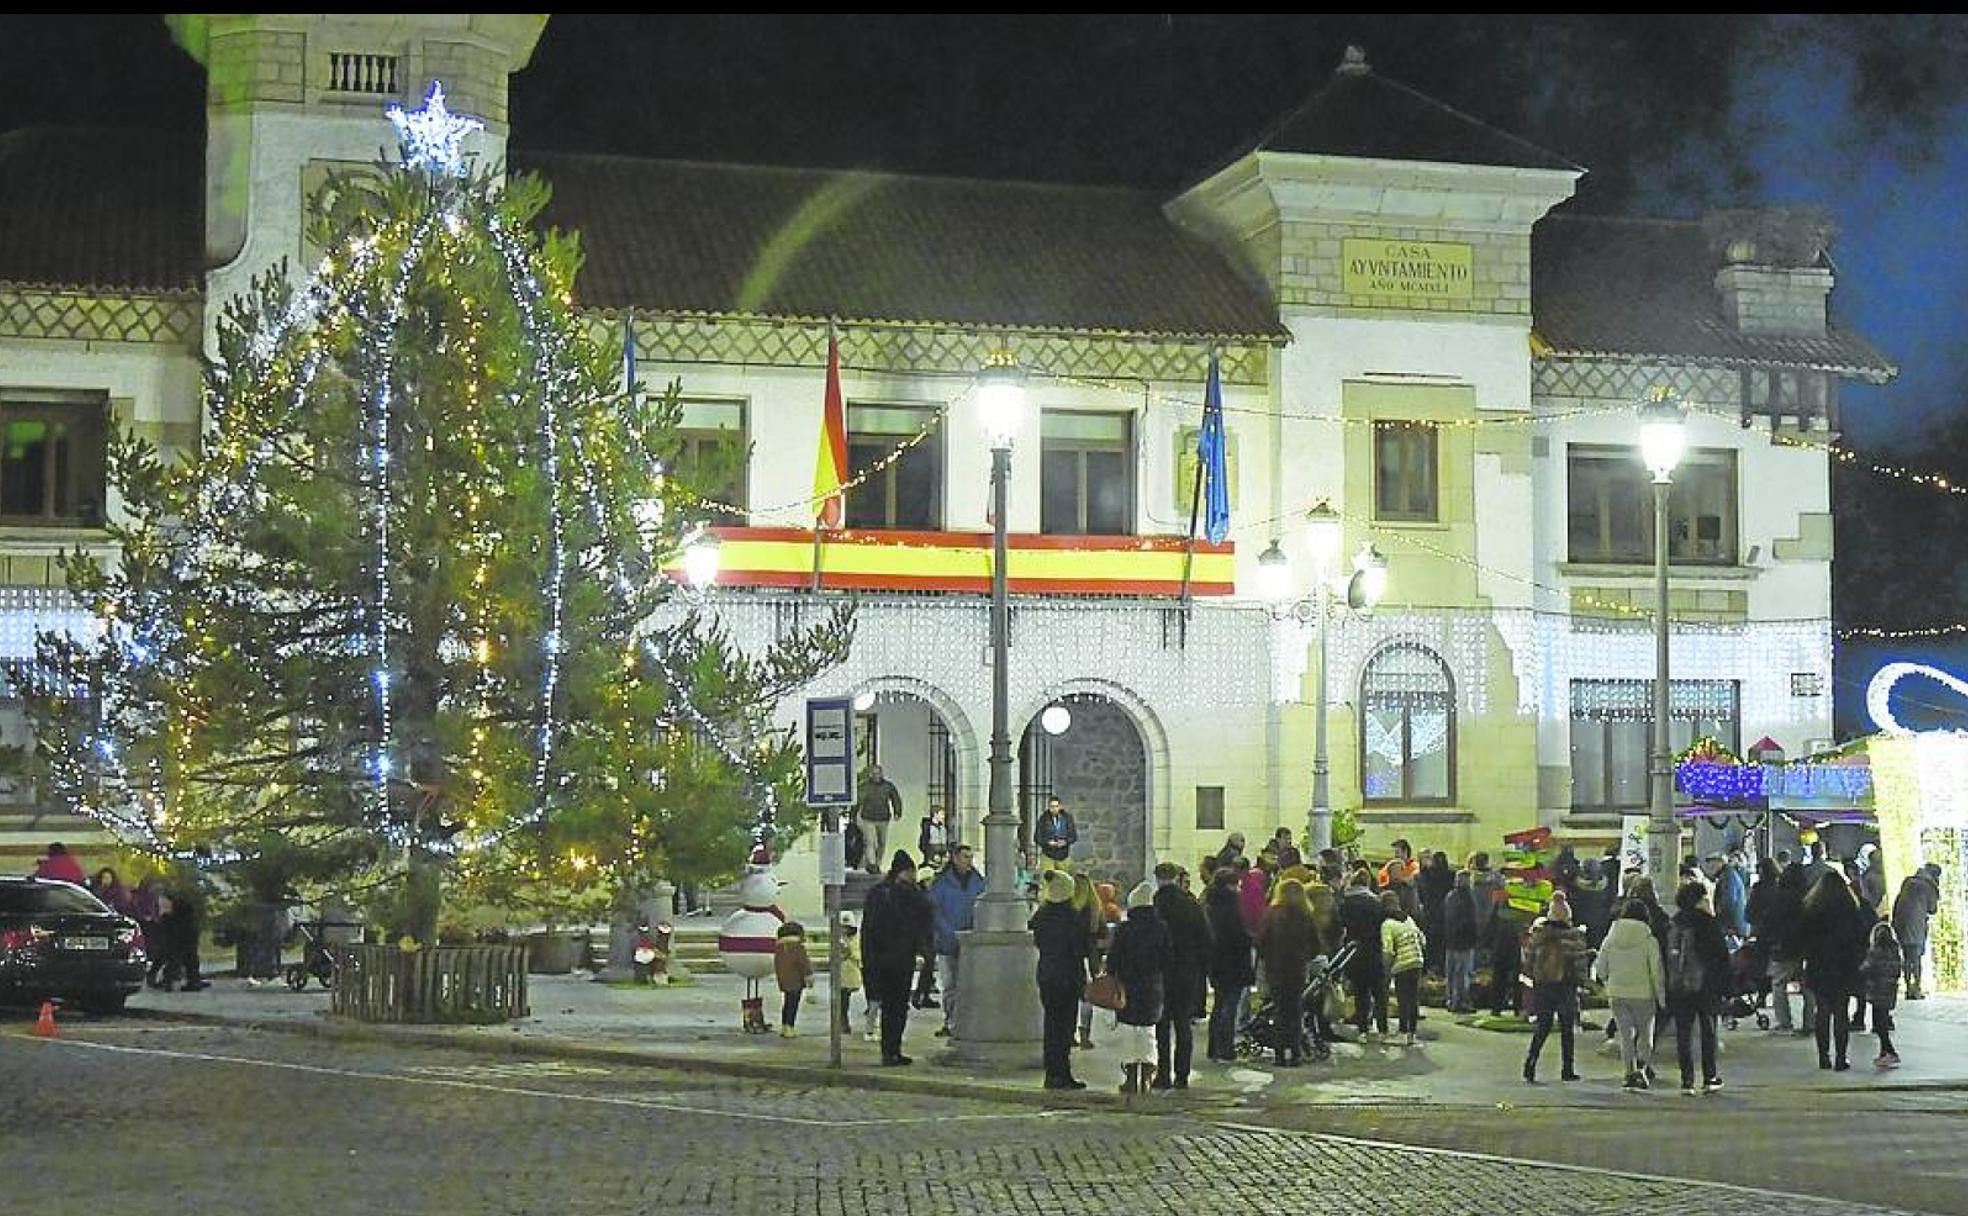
{"x": 1411, "y": 323}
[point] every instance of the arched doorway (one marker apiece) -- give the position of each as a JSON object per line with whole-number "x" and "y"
{"x": 1094, "y": 760}
{"x": 922, "y": 744}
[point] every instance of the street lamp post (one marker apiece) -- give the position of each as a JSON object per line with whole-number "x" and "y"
{"x": 997, "y": 983}
{"x": 1662, "y": 437}
{"x": 1324, "y": 533}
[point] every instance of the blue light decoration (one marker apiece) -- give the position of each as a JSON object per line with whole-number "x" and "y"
{"x": 1714, "y": 781}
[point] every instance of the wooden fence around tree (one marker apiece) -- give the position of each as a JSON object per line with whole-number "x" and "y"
{"x": 435, "y": 984}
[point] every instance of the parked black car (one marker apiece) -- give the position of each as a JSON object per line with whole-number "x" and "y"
{"x": 59, "y": 941}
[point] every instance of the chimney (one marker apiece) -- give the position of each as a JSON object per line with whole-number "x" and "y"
{"x": 1774, "y": 277}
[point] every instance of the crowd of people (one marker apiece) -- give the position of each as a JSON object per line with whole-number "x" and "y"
{"x": 1245, "y": 954}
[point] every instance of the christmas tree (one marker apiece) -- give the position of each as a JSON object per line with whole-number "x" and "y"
{"x": 405, "y": 612}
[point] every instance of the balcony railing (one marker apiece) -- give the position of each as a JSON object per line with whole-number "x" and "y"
{"x": 882, "y": 560}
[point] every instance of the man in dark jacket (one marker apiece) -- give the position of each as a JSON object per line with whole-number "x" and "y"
{"x": 1913, "y": 908}
{"x": 1697, "y": 983}
{"x": 1060, "y": 932}
{"x": 1230, "y": 971}
{"x": 1182, "y": 984}
{"x": 896, "y": 923}
{"x": 1055, "y": 833}
{"x": 1360, "y": 914}
{"x": 877, "y": 805}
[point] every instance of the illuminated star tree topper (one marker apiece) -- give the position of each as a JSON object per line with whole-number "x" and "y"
{"x": 433, "y": 137}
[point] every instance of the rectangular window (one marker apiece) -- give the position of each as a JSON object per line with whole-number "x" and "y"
{"x": 712, "y": 454}
{"x": 1610, "y": 507}
{"x": 1405, "y": 481}
{"x": 1086, "y": 473}
{"x": 52, "y": 460}
{"x": 1612, "y": 733}
{"x": 1209, "y": 808}
{"x": 907, "y": 491}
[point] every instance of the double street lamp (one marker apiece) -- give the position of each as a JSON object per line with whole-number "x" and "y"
{"x": 1359, "y": 591}
{"x": 1663, "y": 437}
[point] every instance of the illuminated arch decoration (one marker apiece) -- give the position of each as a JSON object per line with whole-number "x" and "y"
{"x": 1879, "y": 693}
{"x": 1921, "y": 799}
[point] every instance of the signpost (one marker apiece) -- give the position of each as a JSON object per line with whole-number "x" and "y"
{"x": 830, "y": 787}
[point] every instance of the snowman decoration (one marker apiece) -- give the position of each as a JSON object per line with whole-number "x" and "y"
{"x": 749, "y": 937}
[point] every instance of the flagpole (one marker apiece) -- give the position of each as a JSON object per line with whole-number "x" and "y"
{"x": 1195, "y": 502}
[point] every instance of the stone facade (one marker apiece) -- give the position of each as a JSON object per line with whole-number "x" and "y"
{"x": 1099, "y": 770}
{"x": 1311, "y": 273}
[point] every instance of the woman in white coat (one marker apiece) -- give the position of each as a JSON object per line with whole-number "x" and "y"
{"x": 1630, "y": 966}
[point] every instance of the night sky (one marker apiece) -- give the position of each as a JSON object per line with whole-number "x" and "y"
{"x": 1863, "y": 115}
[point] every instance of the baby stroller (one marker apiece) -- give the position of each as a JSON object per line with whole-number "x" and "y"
{"x": 317, "y": 958}
{"x": 1259, "y": 1033}
{"x": 1749, "y": 983}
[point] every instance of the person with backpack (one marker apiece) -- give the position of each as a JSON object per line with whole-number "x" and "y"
{"x": 1555, "y": 956}
{"x": 1697, "y": 983}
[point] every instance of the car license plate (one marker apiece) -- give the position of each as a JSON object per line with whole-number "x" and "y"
{"x": 85, "y": 943}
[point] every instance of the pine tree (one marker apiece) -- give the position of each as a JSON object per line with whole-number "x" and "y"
{"x": 405, "y": 610}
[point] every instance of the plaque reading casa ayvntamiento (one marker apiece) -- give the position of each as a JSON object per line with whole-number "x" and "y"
{"x": 1406, "y": 270}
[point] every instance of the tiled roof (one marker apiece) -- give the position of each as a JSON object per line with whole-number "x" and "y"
{"x": 1625, "y": 287}
{"x": 100, "y": 208}
{"x": 738, "y": 240}
{"x": 1363, "y": 114}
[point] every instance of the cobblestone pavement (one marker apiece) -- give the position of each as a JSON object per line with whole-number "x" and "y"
{"x": 218, "y": 1121}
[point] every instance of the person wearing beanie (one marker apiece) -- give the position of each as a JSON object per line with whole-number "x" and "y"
{"x": 1555, "y": 957}
{"x": 1139, "y": 958}
{"x": 896, "y": 924}
{"x": 1059, "y": 929}
{"x": 793, "y": 968}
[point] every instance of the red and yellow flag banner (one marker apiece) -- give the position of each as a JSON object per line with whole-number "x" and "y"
{"x": 830, "y": 466}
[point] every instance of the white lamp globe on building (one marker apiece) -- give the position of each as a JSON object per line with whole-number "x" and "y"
{"x": 1369, "y": 581}
{"x": 1274, "y": 575}
{"x": 700, "y": 560}
{"x": 1663, "y": 434}
{"x": 1324, "y": 531}
{"x": 1001, "y": 400}
{"x": 864, "y": 700}
{"x": 1056, "y": 719}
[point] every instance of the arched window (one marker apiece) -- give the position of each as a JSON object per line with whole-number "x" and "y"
{"x": 1407, "y": 726}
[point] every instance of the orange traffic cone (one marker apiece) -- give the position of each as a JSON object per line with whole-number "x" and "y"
{"x": 44, "y": 1027}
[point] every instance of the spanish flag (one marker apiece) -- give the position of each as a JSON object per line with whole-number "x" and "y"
{"x": 830, "y": 468}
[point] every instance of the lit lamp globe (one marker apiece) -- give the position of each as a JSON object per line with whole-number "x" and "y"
{"x": 1369, "y": 581}
{"x": 1056, "y": 719}
{"x": 1001, "y": 402}
{"x": 1274, "y": 575}
{"x": 700, "y": 560}
{"x": 1324, "y": 531}
{"x": 1663, "y": 435}
{"x": 864, "y": 700}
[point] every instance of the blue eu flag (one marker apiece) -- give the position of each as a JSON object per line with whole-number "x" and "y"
{"x": 1210, "y": 450}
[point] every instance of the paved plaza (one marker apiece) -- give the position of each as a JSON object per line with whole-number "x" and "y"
{"x": 612, "y": 1099}
{"x": 227, "y": 1120}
